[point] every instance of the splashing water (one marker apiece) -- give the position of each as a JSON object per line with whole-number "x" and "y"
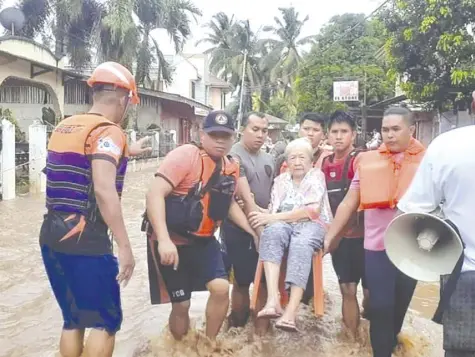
{"x": 30, "y": 320}
{"x": 316, "y": 338}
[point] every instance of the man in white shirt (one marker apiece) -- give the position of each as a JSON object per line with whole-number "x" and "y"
{"x": 446, "y": 175}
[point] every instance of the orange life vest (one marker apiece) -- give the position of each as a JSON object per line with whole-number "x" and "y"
{"x": 68, "y": 168}
{"x": 230, "y": 168}
{"x": 193, "y": 215}
{"x": 383, "y": 180}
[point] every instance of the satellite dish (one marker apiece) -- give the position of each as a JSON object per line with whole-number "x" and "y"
{"x": 12, "y": 19}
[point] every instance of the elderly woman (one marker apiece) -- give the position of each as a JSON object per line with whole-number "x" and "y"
{"x": 296, "y": 221}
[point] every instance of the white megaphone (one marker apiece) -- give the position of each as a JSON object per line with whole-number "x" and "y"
{"x": 423, "y": 246}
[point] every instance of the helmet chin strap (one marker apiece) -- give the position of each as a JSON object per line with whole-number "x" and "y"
{"x": 125, "y": 109}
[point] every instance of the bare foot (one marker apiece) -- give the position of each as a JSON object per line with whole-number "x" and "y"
{"x": 286, "y": 325}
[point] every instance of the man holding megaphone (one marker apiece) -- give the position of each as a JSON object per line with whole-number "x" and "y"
{"x": 437, "y": 221}
{"x": 382, "y": 177}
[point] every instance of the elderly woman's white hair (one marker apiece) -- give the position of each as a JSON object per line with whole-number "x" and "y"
{"x": 299, "y": 144}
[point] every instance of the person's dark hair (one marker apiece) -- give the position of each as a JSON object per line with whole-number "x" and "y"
{"x": 107, "y": 93}
{"x": 315, "y": 117}
{"x": 404, "y": 112}
{"x": 342, "y": 117}
{"x": 246, "y": 116}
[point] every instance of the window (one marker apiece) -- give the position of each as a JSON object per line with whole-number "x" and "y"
{"x": 193, "y": 90}
{"x": 223, "y": 99}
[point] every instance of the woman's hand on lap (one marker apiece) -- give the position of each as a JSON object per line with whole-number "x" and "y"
{"x": 258, "y": 219}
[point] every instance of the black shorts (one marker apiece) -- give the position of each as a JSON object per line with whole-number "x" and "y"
{"x": 348, "y": 261}
{"x": 199, "y": 264}
{"x": 240, "y": 253}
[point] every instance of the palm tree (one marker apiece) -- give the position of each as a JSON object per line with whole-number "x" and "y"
{"x": 83, "y": 28}
{"x": 220, "y": 37}
{"x": 284, "y": 56}
{"x": 119, "y": 36}
{"x": 176, "y": 21}
{"x": 72, "y": 23}
{"x": 235, "y": 41}
{"x": 122, "y": 40}
{"x": 244, "y": 45}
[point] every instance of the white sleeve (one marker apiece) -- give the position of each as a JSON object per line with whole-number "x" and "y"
{"x": 425, "y": 193}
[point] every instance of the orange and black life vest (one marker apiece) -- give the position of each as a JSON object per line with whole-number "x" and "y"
{"x": 199, "y": 213}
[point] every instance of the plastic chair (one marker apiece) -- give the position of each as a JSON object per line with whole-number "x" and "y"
{"x": 317, "y": 273}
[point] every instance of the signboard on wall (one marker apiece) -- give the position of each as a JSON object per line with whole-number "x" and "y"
{"x": 345, "y": 91}
{"x": 201, "y": 112}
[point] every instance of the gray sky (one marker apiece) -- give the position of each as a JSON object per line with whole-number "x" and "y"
{"x": 262, "y": 12}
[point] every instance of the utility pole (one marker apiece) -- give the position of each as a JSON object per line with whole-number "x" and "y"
{"x": 244, "y": 64}
{"x": 364, "y": 92}
{"x": 364, "y": 110}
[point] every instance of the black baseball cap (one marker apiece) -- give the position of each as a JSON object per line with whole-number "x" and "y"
{"x": 218, "y": 121}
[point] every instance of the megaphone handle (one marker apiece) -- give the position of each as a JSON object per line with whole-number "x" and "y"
{"x": 447, "y": 290}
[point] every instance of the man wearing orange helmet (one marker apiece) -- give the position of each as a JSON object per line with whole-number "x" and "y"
{"x": 85, "y": 169}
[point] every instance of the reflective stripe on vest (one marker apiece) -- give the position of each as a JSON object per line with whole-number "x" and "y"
{"x": 68, "y": 168}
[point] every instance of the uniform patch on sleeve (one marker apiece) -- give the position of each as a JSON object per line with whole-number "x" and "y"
{"x": 108, "y": 145}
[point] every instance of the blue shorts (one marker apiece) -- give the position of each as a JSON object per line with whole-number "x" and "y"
{"x": 86, "y": 289}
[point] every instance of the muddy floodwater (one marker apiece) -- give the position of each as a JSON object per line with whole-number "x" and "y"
{"x": 30, "y": 321}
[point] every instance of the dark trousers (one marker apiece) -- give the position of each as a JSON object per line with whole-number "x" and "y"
{"x": 459, "y": 317}
{"x": 453, "y": 353}
{"x": 390, "y": 293}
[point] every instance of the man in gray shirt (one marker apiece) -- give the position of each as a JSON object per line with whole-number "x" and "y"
{"x": 257, "y": 172}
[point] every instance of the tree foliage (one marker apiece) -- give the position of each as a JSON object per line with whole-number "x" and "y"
{"x": 283, "y": 106}
{"x": 71, "y": 22}
{"x": 345, "y": 49}
{"x": 270, "y": 62}
{"x": 431, "y": 45}
{"x": 86, "y": 30}
{"x": 173, "y": 15}
{"x": 8, "y": 115}
{"x": 283, "y": 54}
{"x": 125, "y": 42}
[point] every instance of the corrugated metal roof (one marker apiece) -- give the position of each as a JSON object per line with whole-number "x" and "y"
{"x": 156, "y": 94}
{"x": 276, "y": 121}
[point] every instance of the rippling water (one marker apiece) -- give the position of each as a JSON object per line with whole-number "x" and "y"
{"x": 30, "y": 321}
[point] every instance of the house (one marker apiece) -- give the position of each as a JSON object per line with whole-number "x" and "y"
{"x": 192, "y": 78}
{"x": 276, "y": 127}
{"x": 431, "y": 123}
{"x": 32, "y": 79}
{"x": 425, "y": 120}
{"x": 170, "y": 112}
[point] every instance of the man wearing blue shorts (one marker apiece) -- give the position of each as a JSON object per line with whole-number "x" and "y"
{"x": 85, "y": 169}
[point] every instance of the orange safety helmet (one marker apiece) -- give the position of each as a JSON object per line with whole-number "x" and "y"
{"x": 117, "y": 75}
